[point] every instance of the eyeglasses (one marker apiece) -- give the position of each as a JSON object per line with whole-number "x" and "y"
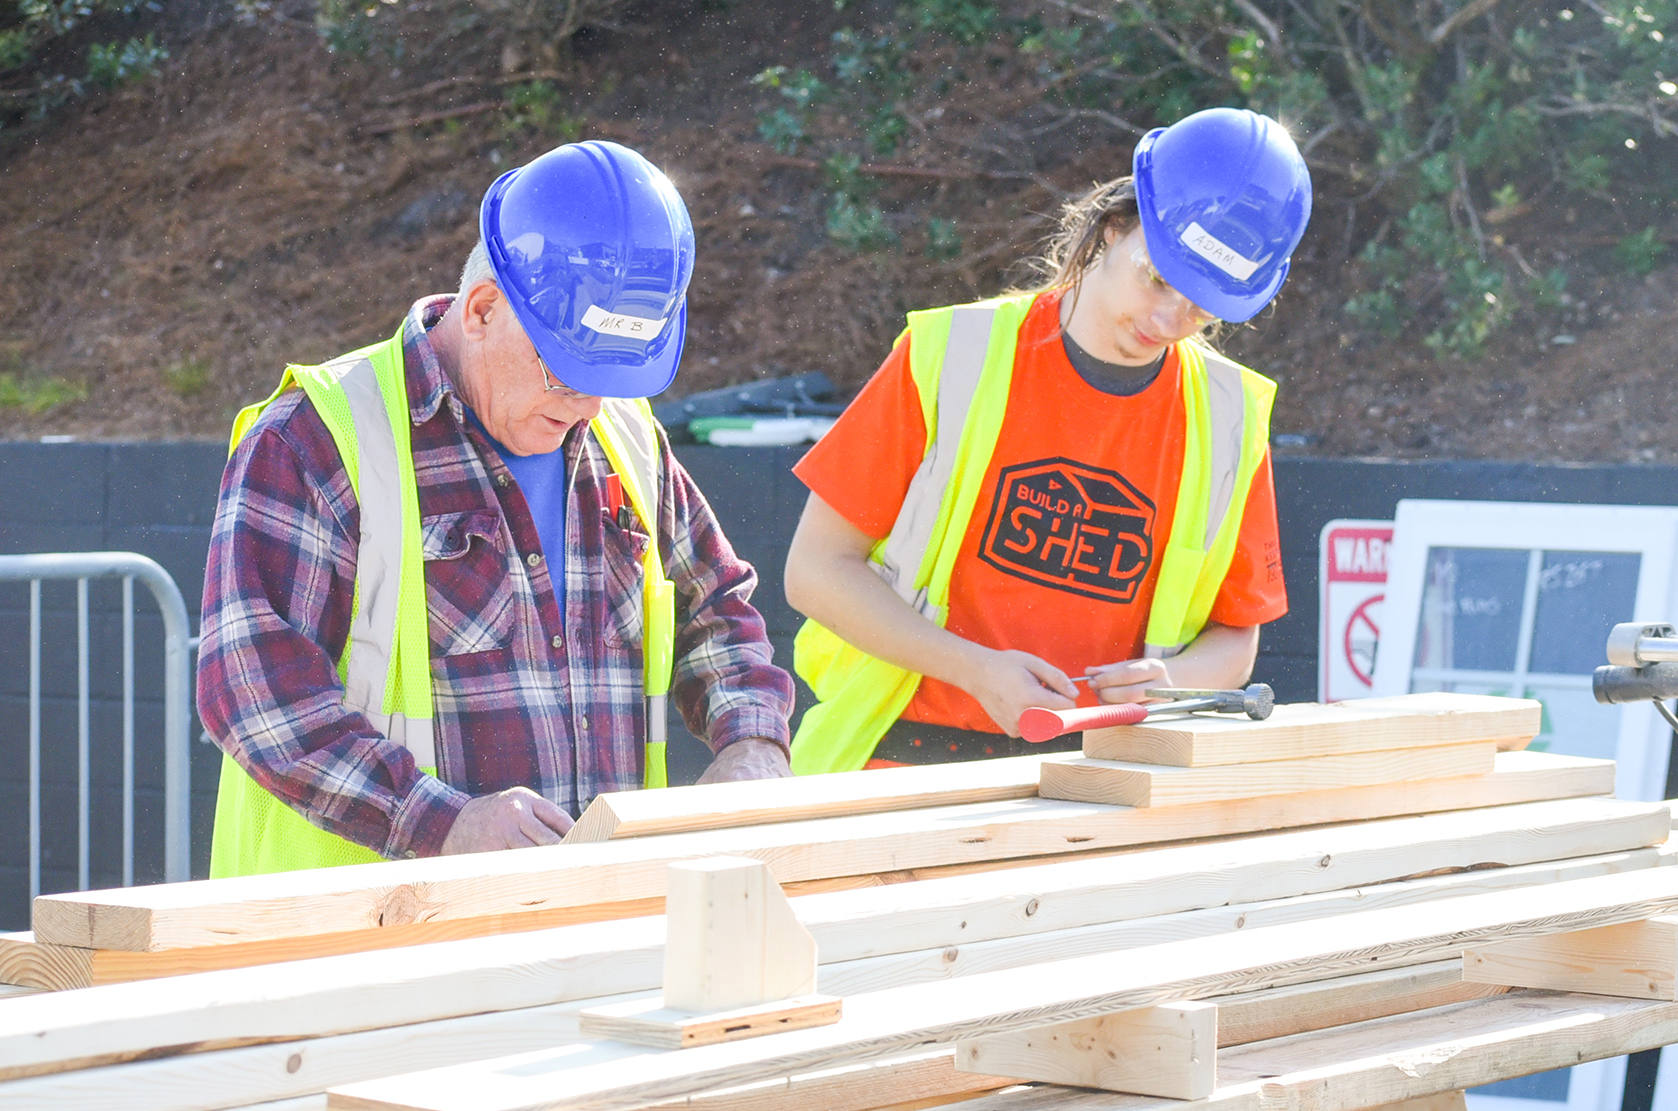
{"x": 552, "y": 384}
{"x": 1157, "y": 285}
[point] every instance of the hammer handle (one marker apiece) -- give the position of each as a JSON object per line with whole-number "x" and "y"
{"x": 1038, "y": 725}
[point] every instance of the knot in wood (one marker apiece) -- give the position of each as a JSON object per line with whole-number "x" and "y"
{"x": 294, "y": 1062}
{"x": 403, "y": 906}
{"x": 1325, "y": 861}
{"x": 1031, "y": 908}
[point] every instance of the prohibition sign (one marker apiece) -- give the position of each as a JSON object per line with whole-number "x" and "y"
{"x": 1361, "y": 640}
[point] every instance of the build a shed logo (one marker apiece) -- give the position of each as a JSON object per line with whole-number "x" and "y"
{"x": 1072, "y": 527}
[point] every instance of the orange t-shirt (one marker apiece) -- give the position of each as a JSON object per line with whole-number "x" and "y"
{"x": 1062, "y": 553}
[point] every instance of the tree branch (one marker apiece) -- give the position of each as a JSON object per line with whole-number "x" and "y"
{"x": 1471, "y": 10}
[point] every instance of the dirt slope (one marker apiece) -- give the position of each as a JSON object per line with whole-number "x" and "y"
{"x": 169, "y": 247}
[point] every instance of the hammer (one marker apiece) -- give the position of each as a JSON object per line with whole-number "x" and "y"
{"x": 1038, "y": 725}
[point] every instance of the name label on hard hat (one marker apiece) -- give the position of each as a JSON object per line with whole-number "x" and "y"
{"x": 621, "y": 324}
{"x": 1217, "y": 252}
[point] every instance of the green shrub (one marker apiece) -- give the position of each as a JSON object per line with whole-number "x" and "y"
{"x": 37, "y": 395}
{"x": 1431, "y": 127}
{"x": 112, "y": 64}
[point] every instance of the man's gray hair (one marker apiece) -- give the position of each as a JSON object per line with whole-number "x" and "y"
{"x": 477, "y": 268}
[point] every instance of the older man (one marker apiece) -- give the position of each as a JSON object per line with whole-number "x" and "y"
{"x": 453, "y": 575}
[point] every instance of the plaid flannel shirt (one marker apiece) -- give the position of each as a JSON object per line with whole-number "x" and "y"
{"x": 521, "y": 694}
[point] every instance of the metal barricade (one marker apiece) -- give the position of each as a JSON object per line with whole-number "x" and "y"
{"x": 83, "y": 566}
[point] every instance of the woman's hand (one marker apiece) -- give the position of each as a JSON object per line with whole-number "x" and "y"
{"x": 1126, "y": 680}
{"x": 1007, "y": 683}
{"x": 1220, "y": 658}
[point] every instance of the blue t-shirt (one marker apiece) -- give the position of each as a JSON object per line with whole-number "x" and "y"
{"x": 542, "y": 478}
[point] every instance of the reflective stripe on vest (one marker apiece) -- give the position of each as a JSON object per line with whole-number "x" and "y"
{"x": 370, "y": 679}
{"x": 385, "y": 667}
{"x": 628, "y": 434}
{"x": 1227, "y": 410}
{"x": 911, "y": 534}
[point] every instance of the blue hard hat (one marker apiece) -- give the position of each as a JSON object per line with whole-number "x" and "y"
{"x": 1224, "y": 197}
{"x": 594, "y": 249}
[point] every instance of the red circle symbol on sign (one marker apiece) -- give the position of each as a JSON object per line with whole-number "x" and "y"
{"x": 1362, "y": 637}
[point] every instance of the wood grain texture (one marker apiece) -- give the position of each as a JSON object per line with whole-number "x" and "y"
{"x": 1110, "y": 781}
{"x": 888, "y": 1022}
{"x": 340, "y": 994}
{"x": 1638, "y": 960}
{"x": 1439, "y": 1101}
{"x": 1394, "y": 1060}
{"x": 727, "y": 805}
{"x": 650, "y": 1022}
{"x": 520, "y": 881}
{"x": 1168, "y": 1050}
{"x": 1305, "y": 729}
{"x": 732, "y": 940}
{"x": 203, "y": 1081}
{"x": 1271, "y": 1013}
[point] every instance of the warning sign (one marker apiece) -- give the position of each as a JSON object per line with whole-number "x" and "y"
{"x": 1352, "y": 571}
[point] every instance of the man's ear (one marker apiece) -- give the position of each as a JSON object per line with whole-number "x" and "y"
{"x": 479, "y": 307}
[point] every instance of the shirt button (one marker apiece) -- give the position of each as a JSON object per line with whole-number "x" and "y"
{"x": 557, "y": 642}
{"x": 582, "y": 719}
{"x": 533, "y": 558}
{"x": 410, "y": 854}
{"x": 501, "y": 480}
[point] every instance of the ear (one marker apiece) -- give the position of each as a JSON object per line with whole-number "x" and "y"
{"x": 479, "y": 307}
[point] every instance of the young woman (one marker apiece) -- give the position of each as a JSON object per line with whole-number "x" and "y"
{"x": 1061, "y": 496}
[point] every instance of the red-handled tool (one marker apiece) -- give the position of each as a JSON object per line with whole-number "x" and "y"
{"x": 1038, "y": 725}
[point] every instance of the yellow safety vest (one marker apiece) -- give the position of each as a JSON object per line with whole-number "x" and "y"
{"x": 962, "y": 361}
{"x": 386, "y": 664}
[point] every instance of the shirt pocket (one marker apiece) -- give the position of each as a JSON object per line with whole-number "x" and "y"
{"x": 468, "y": 584}
{"x": 623, "y": 549}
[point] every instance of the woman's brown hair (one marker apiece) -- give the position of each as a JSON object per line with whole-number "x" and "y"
{"x": 1082, "y": 234}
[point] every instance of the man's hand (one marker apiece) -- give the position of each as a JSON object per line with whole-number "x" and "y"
{"x": 516, "y": 818}
{"x": 1126, "y": 680}
{"x": 1007, "y": 683}
{"x": 748, "y": 758}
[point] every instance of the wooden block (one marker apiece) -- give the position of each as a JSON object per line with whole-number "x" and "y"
{"x": 1638, "y": 960}
{"x": 650, "y": 1022}
{"x": 1394, "y": 1061}
{"x": 1439, "y": 1101}
{"x": 899, "y": 1020}
{"x": 1112, "y": 782}
{"x": 733, "y": 941}
{"x": 377, "y": 897}
{"x": 1298, "y": 730}
{"x": 1167, "y": 1050}
{"x": 759, "y": 802}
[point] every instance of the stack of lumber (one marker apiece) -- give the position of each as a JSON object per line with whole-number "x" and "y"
{"x": 979, "y": 932}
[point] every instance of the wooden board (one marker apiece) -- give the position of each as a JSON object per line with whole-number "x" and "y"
{"x": 650, "y": 1022}
{"x": 202, "y": 1081}
{"x": 759, "y": 802}
{"x": 27, "y": 962}
{"x": 1066, "y": 893}
{"x": 1169, "y": 1050}
{"x": 378, "y": 896}
{"x": 894, "y": 1021}
{"x": 1638, "y": 960}
{"x": 340, "y": 994}
{"x": 1373, "y": 1064}
{"x": 1307, "y": 729}
{"x": 1110, "y": 781}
